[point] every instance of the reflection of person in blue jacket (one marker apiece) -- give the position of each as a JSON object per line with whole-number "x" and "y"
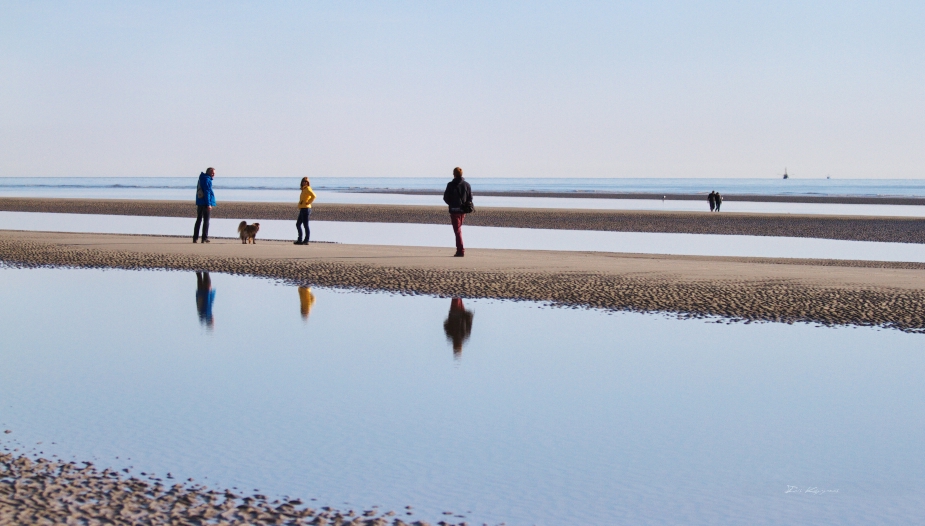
{"x": 205, "y": 200}
{"x": 205, "y": 296}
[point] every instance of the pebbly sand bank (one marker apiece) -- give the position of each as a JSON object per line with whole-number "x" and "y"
{"x": 744, "y": 289}
{"x": 852, "y": 228}
{"x": 49, "y": 492}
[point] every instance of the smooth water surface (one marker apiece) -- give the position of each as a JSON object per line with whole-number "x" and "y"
{"x": 55, "y": 186}
{"x": 362, "y": 191}
{"x": 498, "y": 411}
{"x": 410, "y": 234}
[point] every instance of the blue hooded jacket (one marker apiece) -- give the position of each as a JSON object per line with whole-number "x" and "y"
{"x": 204, "y": 194}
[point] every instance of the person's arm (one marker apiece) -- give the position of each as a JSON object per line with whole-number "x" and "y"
{"x": 446, "y": 194}
{"x": 310, "y": 197}
{"x": 209, "y": 193}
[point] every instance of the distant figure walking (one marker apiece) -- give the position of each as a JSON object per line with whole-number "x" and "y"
{"x": 712, "y": 199}
{"x": 205, "y": 200}
{"x": 205, "y": 296}
{"x": 305, "y": 211}
{"x": 718, "y": 199}
{"x": 458, "y": 196}
{"x": 458, "y": 325}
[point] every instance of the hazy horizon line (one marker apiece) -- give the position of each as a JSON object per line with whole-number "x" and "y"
{"x": 791, "y": 177}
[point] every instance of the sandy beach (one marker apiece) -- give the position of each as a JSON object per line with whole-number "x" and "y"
{"x": 743, "y": 289}
{"x": 755, "y": 198}
{"x": 852, "y": 228}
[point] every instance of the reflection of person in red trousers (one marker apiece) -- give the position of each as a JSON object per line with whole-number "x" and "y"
{"x": 458, "y": 325}
{"x": 458, "y": 196}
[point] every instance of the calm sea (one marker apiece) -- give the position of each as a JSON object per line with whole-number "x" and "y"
{"x": 167, "y": 187}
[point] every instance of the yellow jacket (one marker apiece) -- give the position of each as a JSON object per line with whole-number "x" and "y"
{"x": 307, "y": 197}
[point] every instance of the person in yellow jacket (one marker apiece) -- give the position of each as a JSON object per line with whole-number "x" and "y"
{"x": 305, "y": 211}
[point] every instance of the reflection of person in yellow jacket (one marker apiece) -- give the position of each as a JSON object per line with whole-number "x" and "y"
{"x": 306, "y": 300}
{"x": 305, "y": 211}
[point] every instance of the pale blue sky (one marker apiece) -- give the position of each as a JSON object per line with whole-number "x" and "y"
{"x": 633, "y": 89}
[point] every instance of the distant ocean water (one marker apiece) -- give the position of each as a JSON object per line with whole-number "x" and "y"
{"x": 265, "y": 188}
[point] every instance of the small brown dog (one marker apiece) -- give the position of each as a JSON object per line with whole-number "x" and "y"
{"x": 248, "y": 232}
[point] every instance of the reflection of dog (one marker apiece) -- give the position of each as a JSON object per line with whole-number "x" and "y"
{"x": 248, "y": 231}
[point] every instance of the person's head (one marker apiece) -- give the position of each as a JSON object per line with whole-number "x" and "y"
{"x": 304, "y": 183}
{"x": 457, "y": 172}
{"x": 210, "y": 171}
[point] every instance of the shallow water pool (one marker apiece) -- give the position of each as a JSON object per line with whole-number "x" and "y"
{"x": 496, "y": 411}
{"x": 411, "y": 234}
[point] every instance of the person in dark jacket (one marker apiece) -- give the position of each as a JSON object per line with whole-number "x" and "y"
{"x": 718, "y": 199}
{"x": 712, "y": 199}
{"x": 205, "y": 200}
{"x": 458, "y": 196}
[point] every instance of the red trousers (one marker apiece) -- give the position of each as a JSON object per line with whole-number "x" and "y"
{"x": 456, "y": 305}
{"x": 457, "y": 221}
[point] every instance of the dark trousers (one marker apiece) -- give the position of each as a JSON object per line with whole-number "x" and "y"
{"x": 202, "y": 217}
{"x": 304, "y": 215}
{"x": 457, "y": 221}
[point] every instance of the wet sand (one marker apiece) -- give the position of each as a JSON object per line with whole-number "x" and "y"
{"x": 851, "y": 228}
{"x": 825, "y": 292}
{"x": 821, "y": 199}
{"x": 43, "y": 491}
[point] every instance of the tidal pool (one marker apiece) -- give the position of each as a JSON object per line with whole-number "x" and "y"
{"x": 497, "y": 411}
{"x": 421, "y": 235}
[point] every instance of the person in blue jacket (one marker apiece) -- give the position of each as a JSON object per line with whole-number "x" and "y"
{"x": 205, "y": 200}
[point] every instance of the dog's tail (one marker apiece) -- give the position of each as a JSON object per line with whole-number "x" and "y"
{"x": 241, "y": 226}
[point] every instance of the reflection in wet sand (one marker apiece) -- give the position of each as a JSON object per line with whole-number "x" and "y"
{"x": 205, "y": 296}
{"x": 306, "y": 301}
{"x": 458, "y": 325}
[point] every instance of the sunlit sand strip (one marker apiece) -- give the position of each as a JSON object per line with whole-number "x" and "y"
{"x": 399, "y": 234}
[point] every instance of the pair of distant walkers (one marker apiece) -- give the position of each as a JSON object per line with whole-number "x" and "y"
{"x": 715, "y": 201}
{"x": 457, "y": 196}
